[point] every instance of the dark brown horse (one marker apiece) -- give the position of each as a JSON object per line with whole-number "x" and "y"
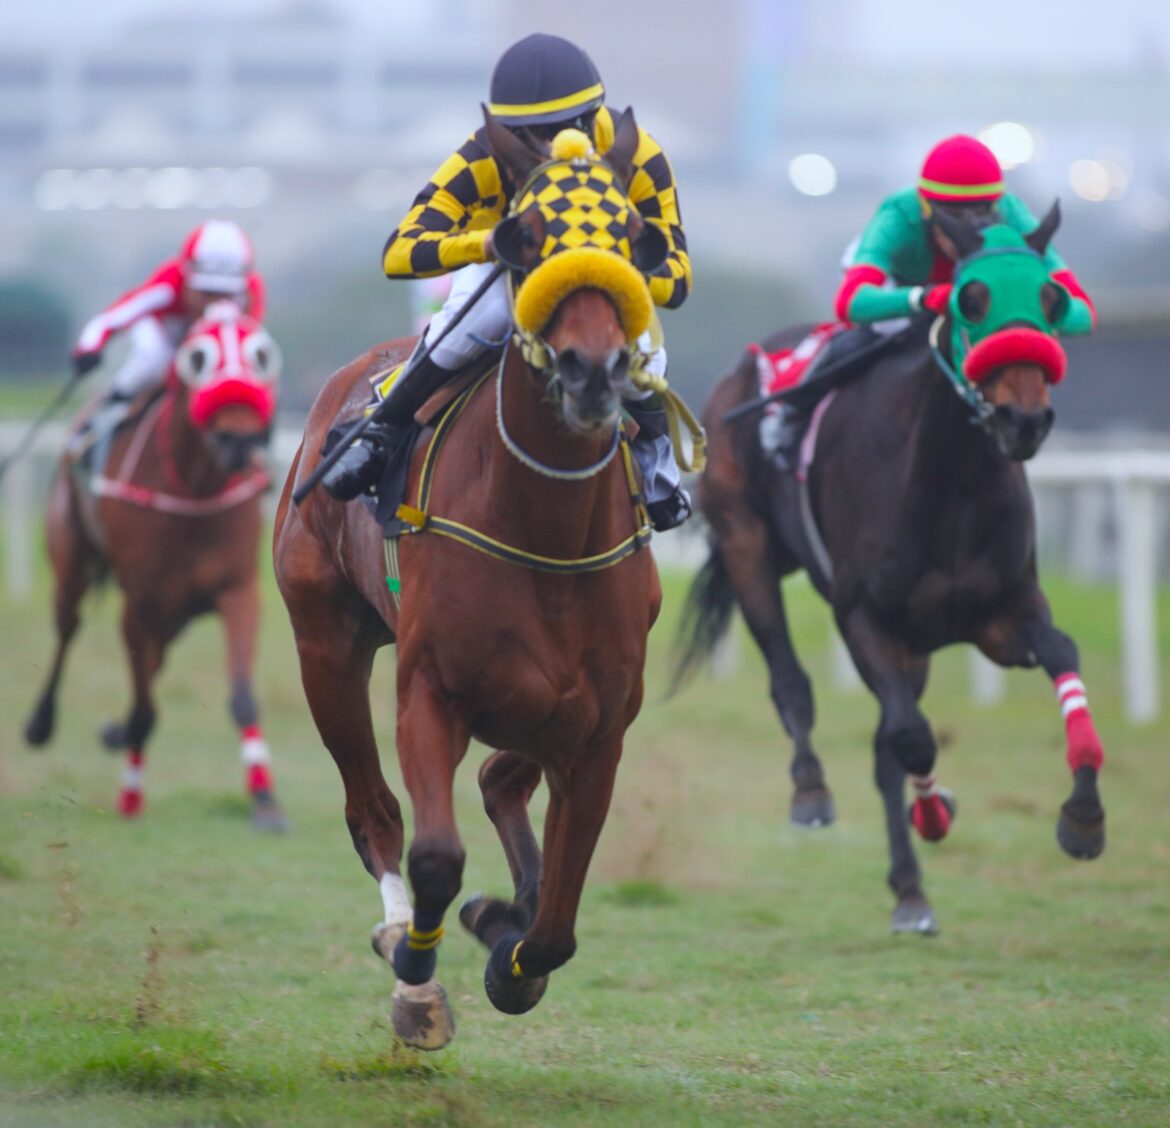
{"x": 917, "y": 527}
{"x": 525, "y": 631}
{"x": 173, "y": 510}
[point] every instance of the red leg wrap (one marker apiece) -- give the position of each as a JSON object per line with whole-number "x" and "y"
{"x": 130, "y": 799}
{"x": 1084, "y": 745}
{"x": 259, "y": 779}
{"x": 930, "y": 817}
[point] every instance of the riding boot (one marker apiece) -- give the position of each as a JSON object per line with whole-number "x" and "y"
{"x": 667, "y": 503}
{"x": 111, "y": 409}
{"x": 360, "y": 468}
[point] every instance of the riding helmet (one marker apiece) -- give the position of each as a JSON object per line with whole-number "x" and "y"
{"x": 961, "y": 170}
{"x": 217, "y": 257}
{"x": 544, "y": 79}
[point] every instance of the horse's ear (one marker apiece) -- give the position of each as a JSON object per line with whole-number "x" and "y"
{"x": 1038, "y": 239}
{"x": 625, "y": 144}
{"x": 964, "y": 235}
{"x": 649, "y": 248}
{"x": 516, "y": 240}
{"x": 517, "y": 158}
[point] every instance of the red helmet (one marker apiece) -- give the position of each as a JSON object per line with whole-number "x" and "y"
{"x": 961, "y": 170}
{"x": 217, "y": 257}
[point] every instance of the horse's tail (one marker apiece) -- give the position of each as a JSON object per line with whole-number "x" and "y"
{"x": 705, "y": 618}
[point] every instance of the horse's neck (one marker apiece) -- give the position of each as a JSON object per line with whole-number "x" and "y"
{"x": 566, "y": 516}
{"x": 176, "y": 458}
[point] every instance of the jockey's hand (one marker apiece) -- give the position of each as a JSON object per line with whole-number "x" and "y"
{"x": 489, "y": 251}
{"x": 84, "y": 363}
{"x": 937, "y": 298}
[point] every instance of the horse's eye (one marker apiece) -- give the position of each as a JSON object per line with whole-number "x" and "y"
{"x": 974, "y": 301}
{"x": 1051, "y": 300}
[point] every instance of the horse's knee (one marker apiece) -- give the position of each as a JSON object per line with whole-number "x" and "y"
{"x": 436, "y": 873}
{"x": 911, "y": 744}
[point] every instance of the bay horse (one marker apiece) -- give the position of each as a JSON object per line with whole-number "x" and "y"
{"x": 170, "y": 504}
{"x": 917, "y": 527}
{"x": 520, "y": 611}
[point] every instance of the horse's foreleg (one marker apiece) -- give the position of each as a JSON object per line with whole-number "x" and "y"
{"x": 239, "y": 607}
{"x": 903, "y": 745}
{"x": 144, "y": 647}
{"x": 755, "y": 577}
{"x": 519, "y": 965}
{"x": 1026, "y": 639}
{"x": 507, "y": 782}
{"x": 75, "y": 564}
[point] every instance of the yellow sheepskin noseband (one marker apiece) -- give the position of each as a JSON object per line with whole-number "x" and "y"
{"x": 587, "y": 218}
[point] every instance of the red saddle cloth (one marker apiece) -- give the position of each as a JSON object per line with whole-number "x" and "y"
{"x": 784, "y": 368}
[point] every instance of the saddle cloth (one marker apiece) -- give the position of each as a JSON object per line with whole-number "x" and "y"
{"x": 784, "y": 368}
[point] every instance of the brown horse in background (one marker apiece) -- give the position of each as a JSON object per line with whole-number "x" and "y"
{"x": 539, "y": 655}
{"x": 173, "y": 511}
{"x": 917, "y": 527}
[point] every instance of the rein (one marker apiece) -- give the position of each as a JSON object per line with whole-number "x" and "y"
{"x": 966, "y": 391}
{"x": 122, "y": 488}
{"x": 419, "y": 520}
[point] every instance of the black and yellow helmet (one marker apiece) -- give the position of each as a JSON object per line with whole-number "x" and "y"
{"x": 544, "y": 79}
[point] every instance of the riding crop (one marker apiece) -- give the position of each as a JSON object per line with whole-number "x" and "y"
{"x": 27, "y": 438}
{"x": 358, "y": 427}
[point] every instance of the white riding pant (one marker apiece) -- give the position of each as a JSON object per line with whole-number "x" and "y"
{"x": 152, "y": 348}
{"x": 489, "y": 322}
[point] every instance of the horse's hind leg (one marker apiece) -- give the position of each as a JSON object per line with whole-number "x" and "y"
{"x": 507, "y": 782}
{"x": 1028, "y": 637}
{"x": 519, "y": 965}
{"x": 239, "y": 607}
{"x": 75, "y": 566}
{"x": 903, "y": 745}
{"x": 755, "y": 576}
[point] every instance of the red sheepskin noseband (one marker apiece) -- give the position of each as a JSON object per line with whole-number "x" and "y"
{"x": 232, "y": 392}
{"x": 1016, "y": 346}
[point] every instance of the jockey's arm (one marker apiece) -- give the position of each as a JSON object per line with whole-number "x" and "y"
{"x": 1081, "y": 315}
{"x": 864, "y": 295}
{"x": 653, "y": 193}
{"x": 449, "y": 223}
{"x": 158, "y": 293}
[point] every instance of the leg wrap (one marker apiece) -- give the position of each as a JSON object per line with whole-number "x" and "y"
{"x": 929, "y": 814}
{"x": 254, "y": 752}
{"x": 1084, "y": 745}
{"x": 130, "y": 797}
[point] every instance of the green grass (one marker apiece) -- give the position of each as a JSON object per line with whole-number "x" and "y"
{"x": 731, "y": 969}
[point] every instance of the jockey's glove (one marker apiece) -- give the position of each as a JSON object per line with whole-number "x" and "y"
{"x": 84, "y": 363}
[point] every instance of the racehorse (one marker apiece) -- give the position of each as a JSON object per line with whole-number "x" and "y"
{"x": 918, "y": 529}
{"x": 520, "y": 608}
{"x": 171, "y": 505}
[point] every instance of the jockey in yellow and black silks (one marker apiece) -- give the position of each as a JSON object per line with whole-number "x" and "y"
{"x": 540, "y": 86}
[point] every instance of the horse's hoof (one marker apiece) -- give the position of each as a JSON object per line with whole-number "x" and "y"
{"x": 487, "y": 918}
{"x": 422, "y": 1015}
{"x": 113, "y": 736}
{"x": 267, "y": 815}
{"x": 914, "y": 914}
{"x": 130, "y": 803}
{"x": 384, "y": 938}
{"x": 813, "y": 807}
{"x": 506, "y": 992}
{"x": 1081, "y": 835}
{"x": 40, "y": 725}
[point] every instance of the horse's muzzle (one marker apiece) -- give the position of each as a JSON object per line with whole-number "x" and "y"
{"x": 1018, "y": 433}
{"x": 235, "y": 451}
{"x": 591, "y": 388}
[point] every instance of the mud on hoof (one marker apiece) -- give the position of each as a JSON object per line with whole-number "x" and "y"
{"x": 506, "y": 992}
{"x": 813, "y": 807}
{"x": 1081, "y": 833}
{"x": 39, "y": 726}
{"x": 267, "y": 814}
{"x": 487, "y": 918}
{"x": 914, "y": 914}
{"x": 114, "y": 736}
{"x": 422, "y": 1015}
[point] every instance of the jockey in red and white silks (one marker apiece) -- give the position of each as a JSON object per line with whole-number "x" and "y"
{"x": 215, "y": 262}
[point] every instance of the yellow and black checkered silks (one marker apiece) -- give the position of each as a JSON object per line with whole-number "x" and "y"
{"x": 448, "y": 225}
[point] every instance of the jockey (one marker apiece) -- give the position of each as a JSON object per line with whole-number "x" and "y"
{"x": 902, "y": 263}
{"x": 541, "y": 85}
{"x": 215, "y": 262}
